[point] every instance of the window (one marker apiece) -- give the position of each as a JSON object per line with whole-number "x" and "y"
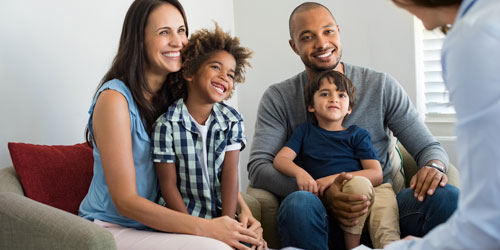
{"x": 432, "y": 96}
{"x": 433, "y": 91}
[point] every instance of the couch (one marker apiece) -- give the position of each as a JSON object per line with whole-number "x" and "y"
{"x": 31, "y": 221}
{"x": 39, "y": 210}
{"x": 269, "y": 203}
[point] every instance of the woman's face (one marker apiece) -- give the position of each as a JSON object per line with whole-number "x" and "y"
{"x": 164, "y": 37}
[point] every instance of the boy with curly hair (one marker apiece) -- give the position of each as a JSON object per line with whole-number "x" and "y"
{"x": 196, "y": 143}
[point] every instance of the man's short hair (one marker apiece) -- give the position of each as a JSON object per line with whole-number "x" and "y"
{"x": 304, "y": 7}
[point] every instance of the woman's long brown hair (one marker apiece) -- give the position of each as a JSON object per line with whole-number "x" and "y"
{"x": 130, "y": 63}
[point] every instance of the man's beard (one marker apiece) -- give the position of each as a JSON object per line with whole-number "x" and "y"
{"x": 317, "y": 68}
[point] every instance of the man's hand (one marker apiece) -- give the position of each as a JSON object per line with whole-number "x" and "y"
{"x": 426, "y": 181}
{"x": 306, "y": 182}
{"x": 339, "y": 203}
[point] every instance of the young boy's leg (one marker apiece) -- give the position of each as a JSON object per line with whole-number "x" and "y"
{"x": 383, "y": 223}
{"x": 357, "y": 185}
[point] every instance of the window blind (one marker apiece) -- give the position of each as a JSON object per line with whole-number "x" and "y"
{"x": 436, "y": 96}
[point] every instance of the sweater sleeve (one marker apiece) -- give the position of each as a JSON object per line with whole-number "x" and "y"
{"x": 404, "y": 121}
{"x": 269, "y": 137}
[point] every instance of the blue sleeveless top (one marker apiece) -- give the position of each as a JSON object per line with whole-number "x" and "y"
{"x": 97, "y": 204}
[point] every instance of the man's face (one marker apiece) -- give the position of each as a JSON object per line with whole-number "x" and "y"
{"x": 316, "y": 39}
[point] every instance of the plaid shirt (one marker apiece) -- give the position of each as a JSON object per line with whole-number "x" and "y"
{"x": 177, "y": 140}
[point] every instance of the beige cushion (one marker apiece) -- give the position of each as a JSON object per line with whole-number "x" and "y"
{"x": 396, "y": 159}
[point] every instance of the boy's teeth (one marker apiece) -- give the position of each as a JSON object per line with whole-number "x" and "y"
{"x": 219, "y": 88}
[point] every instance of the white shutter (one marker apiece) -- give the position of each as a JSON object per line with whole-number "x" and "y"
{"x": 436, "y": 96}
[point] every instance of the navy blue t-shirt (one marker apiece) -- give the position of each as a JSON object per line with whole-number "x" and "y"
{"x": 322, "y": 153}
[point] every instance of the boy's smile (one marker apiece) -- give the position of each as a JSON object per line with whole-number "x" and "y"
{"x": 330, "y": 105}
{"x": 219, "y": 87}
{"x": 213, "y": 82}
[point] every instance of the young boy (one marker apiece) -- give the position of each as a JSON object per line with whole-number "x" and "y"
{"x": 196, "y": 143}
{"x": 325, "y": 149}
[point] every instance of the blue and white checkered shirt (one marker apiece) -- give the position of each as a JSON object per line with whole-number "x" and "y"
{"x": 177, "y": 140}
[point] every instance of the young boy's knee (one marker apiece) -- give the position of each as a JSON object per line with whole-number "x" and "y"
{"x": 359, "y": 185}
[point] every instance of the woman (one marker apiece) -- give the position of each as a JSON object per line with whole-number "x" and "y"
{"x": 124, "y": 190}
{"x": 470, "y": 59}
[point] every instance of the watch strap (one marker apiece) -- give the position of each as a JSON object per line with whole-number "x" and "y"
{"x": 438, "y": 167}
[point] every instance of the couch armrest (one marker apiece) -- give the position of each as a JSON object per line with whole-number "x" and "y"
{"x": 269, "y": 206}
{"x": 453, "y": 176}
{"x": 9, "y": 181}
{"x": 254, "y": 206}
{"x": 27, "y": 224}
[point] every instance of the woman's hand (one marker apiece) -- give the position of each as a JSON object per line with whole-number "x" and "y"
{"x": 230, "y": 232}
{"x": 248, "y": 221}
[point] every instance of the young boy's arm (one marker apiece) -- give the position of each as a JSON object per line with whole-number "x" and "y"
{"x": 371, "y": 170}
{"x": 229, "y": 183}
{"x": 325, "y": 182}
{"x": 283, "y": 162}
{"x": 363, "y": 150}
{"x": 167, "y": 176}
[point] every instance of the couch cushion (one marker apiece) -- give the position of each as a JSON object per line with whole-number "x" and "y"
{"x": 58, "y": 176}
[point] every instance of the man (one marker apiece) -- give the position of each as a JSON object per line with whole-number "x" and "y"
{"x": 382, "y": 104}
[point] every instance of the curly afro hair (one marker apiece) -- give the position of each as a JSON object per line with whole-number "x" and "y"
{"x": 201, "y": 46}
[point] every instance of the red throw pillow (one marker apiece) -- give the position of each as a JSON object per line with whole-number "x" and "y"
{"x": 58, "y": 176}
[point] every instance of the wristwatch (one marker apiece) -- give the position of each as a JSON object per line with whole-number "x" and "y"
{"x": 438, "y": 167}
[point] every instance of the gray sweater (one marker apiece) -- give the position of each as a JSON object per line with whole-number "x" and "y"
{"x": 381, "y": 104}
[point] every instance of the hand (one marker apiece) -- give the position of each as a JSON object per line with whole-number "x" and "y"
{"x": 425, "y": 182}
{"x": 306, "y": 182}
{"x": 340, "y": 203}
{"x": 409, "y": 237}
{"x": 230, "y": 232}
{"x": 248, "y": 221}
{"x": 255, "y": 226}
{"x": 324, "y": 183}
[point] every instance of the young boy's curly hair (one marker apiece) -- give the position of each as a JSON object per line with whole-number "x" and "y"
{"x": 200, "y": 48}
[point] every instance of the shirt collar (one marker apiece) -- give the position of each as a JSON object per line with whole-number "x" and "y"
{"x": 181, "y": 114}
{"x": 464, "y": 7}
{"x": 221, "y": 113}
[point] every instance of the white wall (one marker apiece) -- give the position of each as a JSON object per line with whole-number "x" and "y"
{"x": 53, "y": 55}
